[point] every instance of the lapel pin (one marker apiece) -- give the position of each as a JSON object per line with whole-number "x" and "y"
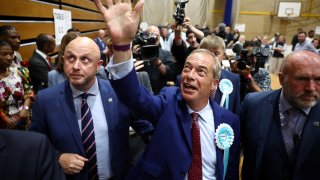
{"x": 110, "y": 100}
{"x": 316, "y": 123}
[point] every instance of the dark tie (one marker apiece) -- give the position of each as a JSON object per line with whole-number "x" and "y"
{"x": 195, "y": 171}
{"x": 88, "y": 139}
{"x": 288, "y": 130}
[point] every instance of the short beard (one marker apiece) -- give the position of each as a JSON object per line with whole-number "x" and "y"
{"x": 294, "y": 99}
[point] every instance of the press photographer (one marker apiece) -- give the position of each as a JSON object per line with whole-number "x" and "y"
{"x": 247, "y": 63}
{"x": 159, "y": 63}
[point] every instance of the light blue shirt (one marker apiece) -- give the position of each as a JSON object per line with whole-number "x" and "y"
{"x": 305, "y": 46}
{"x": 206, "y": 123}
{"x": 100, "y": 127}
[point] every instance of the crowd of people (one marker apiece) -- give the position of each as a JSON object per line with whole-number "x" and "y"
{"x": 166, "y": 102}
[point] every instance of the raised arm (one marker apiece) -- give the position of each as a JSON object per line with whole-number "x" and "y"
{"x": 121, "y": 22}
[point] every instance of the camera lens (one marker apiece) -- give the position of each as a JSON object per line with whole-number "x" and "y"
{"x": 241, "y": 65}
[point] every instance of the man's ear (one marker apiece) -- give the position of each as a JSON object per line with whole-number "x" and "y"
{"x": 281, "y": 78}
{"x": 214, "y": 84}
{"x": 99, "y": 64}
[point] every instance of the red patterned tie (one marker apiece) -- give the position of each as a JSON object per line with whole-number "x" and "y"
{"x": 195, "y": 171}
{"x": 49, "y": 60}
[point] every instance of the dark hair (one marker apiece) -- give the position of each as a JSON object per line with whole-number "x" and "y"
{"x": 5, "y": 28}
{"x": 73, "y": 30}
{"x": 42, "y": 40}
{"x": 248, "y": 44}
{"x": 188, "y": 32}
{"x": 4, "y": 43}
{"x": 303, "y": 32}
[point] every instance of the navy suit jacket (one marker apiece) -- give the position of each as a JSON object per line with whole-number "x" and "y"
{"x": 234, "y": 97}
{"x": 27, "y": 155}
{"x": 53, "y": 114}
{"x": 101, "y": 47}
{"x": 261, "y": 127}
{"x": 169, "y": 154}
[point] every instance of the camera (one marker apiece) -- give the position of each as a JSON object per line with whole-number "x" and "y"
{"x": 247, "y": 58}
{"x": 148, "y": 50}
{"x": 180, "y": 12}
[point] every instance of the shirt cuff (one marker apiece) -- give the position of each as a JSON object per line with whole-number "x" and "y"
{"x": 120, "y": 70}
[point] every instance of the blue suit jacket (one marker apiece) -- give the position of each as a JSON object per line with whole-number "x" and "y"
{"x": 169, "y": 153}
{"x": 53, "y": 114}
{"x": 234, "y": 97}
{"x": 101, "y": 48}
{"x": 261, "y": 126}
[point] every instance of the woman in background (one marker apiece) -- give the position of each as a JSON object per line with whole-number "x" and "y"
{"x": 57, "y": 75}
{"x": 16, "y": 94}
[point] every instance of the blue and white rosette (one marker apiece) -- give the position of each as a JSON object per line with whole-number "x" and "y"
{"x": 224, "y": 138}
{"x": 226, "y": 88}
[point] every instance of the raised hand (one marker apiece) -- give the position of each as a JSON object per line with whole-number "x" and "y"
{"x": 122, "y": 21}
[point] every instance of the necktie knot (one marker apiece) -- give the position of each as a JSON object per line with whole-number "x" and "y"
{"x": 194, "y": 117}
{"x": 84, "y": 96}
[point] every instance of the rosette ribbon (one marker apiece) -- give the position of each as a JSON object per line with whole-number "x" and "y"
{"x": 224, "y": 138}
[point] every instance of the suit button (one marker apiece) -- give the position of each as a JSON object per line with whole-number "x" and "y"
{"x": 182, "y": 174}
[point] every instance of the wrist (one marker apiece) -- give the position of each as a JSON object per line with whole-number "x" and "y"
{"x": 248, "y": 78}
{"x": 25, "y": 107}
{"x": 125, "y": 47}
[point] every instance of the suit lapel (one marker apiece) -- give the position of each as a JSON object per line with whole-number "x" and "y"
{"x": 43, "y": 60}
{"x": 309, "y": 135}
{"x": 219, "y": 152}
{"x": 67, "y": 104}
{"x": 109, "y": 110}
{"x": 3, "y": 155}
{"x": 185, "y": 120}
{"x": 264, "y": 122}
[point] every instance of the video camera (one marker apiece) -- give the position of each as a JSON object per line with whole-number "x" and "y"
{"x": 148, "y": 50}
{"x": 180, "y": 12}
{"x": 246, "y": 58}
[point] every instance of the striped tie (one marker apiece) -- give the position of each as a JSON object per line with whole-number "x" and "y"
{"x": 88, "y": 139}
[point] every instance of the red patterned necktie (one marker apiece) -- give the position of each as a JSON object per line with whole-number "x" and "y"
{"x": 195, "y": 171}
{"x": 88, "y": 138}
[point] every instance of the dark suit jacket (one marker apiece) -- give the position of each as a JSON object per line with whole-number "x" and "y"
{"x": 169, "y": 154}
{"x": 102, "y": 46}
{"x": 264, "y": 150}
{"x": 53, "y": 114}
{"x": 234, "y": 97}
{"x": 39, "y": 70}
{"x": 27, "y": 155}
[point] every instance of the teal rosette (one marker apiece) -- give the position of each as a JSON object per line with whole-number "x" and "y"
{"x": 224, "y": 138}
{"x": 226, "y": 87}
